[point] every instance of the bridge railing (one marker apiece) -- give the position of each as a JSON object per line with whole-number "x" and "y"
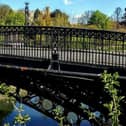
{"x": 73, "y": 45}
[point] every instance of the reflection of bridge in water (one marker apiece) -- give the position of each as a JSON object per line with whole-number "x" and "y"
{"x": 62, "y": 66}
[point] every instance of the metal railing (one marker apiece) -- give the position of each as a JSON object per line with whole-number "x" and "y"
{"x": 73, "y": 45}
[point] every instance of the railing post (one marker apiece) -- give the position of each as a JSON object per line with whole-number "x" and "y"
{"x": 102, "y": 46}
{"x": 26, "y": 24}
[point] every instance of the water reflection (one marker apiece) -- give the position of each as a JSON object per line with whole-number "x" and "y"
{"x": 37, "y": 118}
{"x": 85, "y": 123}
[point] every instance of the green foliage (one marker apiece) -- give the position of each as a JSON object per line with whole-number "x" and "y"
{"x": 58, "y": 113}
{"x": 92, "y": 19}
{"x": 6, "y": 101}
{"x": 37, "y": 18}
{"x": 6, "y": 104}
{"x": 11, "y": 17}
{"x": 99, "y": 19}
{"x": 7, "y": 90}
{"x": 6, "y": 124}
{"x": 20, "y": 119}
{"x": 91, "y": 115}
{"x": 36, "y": 14}
{"x": 22, "y": 93}
{"x": 111, "y": 86}
{"x": 59, "y": 18}
{"x": 5, "y": 10}
{"x": 15, "y": 18}
{"x": 47, "y": 18}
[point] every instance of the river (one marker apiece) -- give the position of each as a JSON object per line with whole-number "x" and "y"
{"x": 37, "y": 118}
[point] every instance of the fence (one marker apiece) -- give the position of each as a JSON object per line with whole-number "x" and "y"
{"x": 72, "y": 44}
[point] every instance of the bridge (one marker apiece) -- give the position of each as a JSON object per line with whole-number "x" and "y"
{"x": 62, "y": 66}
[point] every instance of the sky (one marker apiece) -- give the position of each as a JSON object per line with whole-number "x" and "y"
{"x": 71, "y": 7}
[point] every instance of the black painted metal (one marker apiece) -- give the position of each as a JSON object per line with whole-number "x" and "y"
{"x": 28, "y": 53}
{"x": 74, "y": 45}
{"x": 26, "y": 14}
{"x": 62, "y": 88}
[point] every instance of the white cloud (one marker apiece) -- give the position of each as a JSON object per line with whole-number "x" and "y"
{"x": 67, "y": 2}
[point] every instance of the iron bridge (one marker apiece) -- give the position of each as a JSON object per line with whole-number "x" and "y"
{"x": 61, "y": 66}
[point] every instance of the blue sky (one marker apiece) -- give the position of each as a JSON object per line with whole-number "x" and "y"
{"x": 71, "y": 7}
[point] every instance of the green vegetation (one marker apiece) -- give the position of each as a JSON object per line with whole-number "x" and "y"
{"x": 11, "y": 17}
{"x": 99, "y": 19}
{"x": 21, "y": 119}
{"x": 92, "y": 19}
{"x": 111, "y": 86}
{"x": 59, "y": 114}
{"x": 92, "y": 116}
{"x": 7, "y": 104}
{"x": 6, "y": 101}
{"x": 15, "y": 18}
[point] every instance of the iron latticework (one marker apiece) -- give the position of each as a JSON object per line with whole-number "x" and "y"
{"x": 73, "y": 45}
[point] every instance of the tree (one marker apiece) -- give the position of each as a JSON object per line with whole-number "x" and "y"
{"x": 10, "y": 19}
{"x": 19, "y": 18}
{"x": 84, "y": 19}
{"x": 55, "y": 13}
{"x": 123, "y": 21}
{"x": 5, "y": 10}
{"x": 47, "y": 16}
{"x": 60, "y": 18}
{"x": 37, "y": 17}
{"x": 118, "y": 15}
{"x": 36, "y": 14}
{"x": 99, "y": 19}
{"x": 42, "y": 18}
{"x": 15, "y": 18}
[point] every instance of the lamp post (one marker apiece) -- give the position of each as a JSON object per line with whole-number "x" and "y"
{"x": 26, "y": 14}
{"x": 125, "y": 17}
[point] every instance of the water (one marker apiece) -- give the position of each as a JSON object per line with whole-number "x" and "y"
{"x": 37, "y": 118}
{"x": 85, "y": 123}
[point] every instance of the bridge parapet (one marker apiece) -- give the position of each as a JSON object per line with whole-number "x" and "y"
{"x": 74, "y": 45}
